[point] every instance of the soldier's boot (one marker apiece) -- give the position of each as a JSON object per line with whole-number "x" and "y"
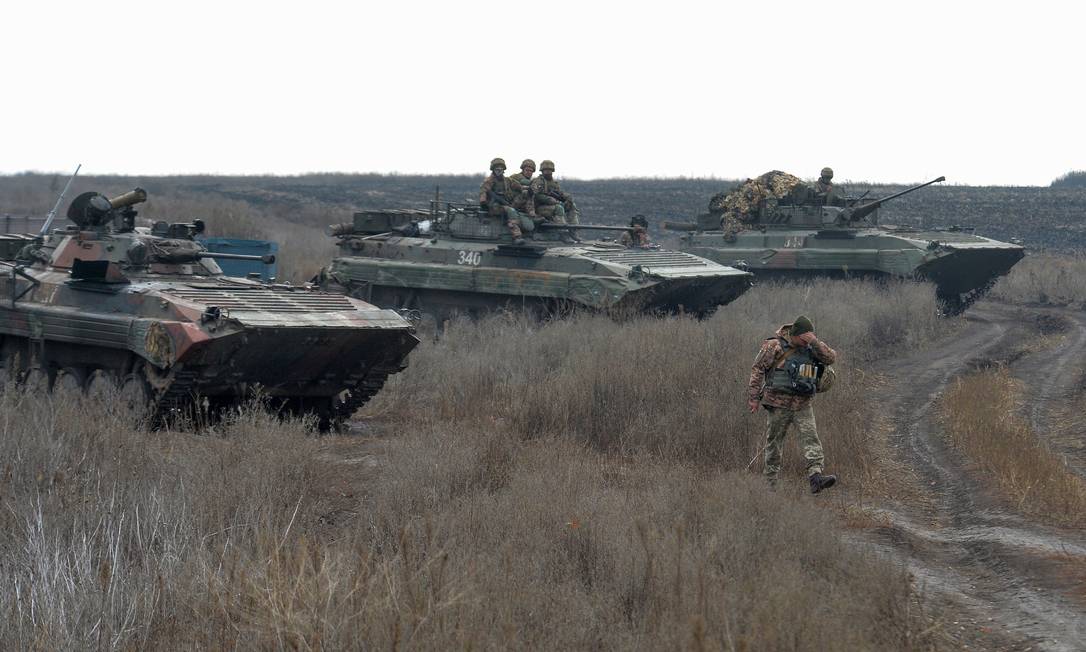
{"x": 514, "y": 229}
{"x": 820, "y": 482}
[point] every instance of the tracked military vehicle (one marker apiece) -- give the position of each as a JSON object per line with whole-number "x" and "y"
{"x": 456, "y": 258}
{"x": 799, "y": 234}
{"x": 102, "y": 303}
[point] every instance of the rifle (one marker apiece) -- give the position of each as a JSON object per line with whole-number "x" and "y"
{"x": 53, "y": 213}
{"x": 496, "y": 199}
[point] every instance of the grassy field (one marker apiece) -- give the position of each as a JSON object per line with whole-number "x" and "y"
{"x": 576, "y": 484}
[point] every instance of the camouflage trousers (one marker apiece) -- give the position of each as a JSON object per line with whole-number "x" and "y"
{"x": 518, "y": 223}
{"x": 777, "y": 427}
{"x": 565, "y": 213}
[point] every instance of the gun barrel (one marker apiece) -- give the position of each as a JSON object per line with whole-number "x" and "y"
{"x": 267, "y": 259}
{"x": 129, "y": 198}
{"x": 861, "y": 212}
{"x": 584, "y": 227}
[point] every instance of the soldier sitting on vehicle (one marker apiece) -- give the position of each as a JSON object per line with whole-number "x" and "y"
{"x": 524, "y": 202}
{"x": 499, "y": 196}
{"x": 639, "y": 237}
{"x": 825, "y": 193}
{"x": 551, "y": 202}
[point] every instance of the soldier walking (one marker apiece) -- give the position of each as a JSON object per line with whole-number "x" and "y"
{"x": 499, "y": 196}
{"x": 784, "y": 380}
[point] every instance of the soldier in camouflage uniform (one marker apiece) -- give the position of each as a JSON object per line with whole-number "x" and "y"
{"x": 525, "y": 204}
{"x": 498, "y": 196}
{"x": 824, "y": 190}
{"x": 640, "y": 235}
{"x": 784, "y": 408}
{"x": 551, "y": 202}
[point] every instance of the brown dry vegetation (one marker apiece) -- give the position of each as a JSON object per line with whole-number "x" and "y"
{"x": 576, "y": 484}
{"x": 1045, "y": 279}
{"x": 981, "y": 413}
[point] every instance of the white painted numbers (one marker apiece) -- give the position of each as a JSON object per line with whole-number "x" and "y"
{"x": 473, "y": 258}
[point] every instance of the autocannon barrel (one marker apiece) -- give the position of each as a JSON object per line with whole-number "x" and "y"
{"x": 861, "y": 212}
{"x": 129, "y": 198}
{"x": 267, "y": 259}
{"x": 585, "y": 227}
{"x": 344, "y": 228}
{"x": 680, "y": 226}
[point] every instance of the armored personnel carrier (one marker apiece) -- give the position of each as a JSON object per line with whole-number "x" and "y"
{"x": 797, "y": 233}
{"x": 456, "y": 258}
{"x": 102, "y": 303}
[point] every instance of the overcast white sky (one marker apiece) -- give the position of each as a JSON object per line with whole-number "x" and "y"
{"x": 983, "y": 92}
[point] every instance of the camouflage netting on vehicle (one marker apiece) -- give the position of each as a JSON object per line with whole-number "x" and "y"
{"x": 745, "y": 198}
{"x": 741, "y": 204}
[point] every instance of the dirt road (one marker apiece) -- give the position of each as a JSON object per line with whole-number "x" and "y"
{"x": 1013, "y": 581}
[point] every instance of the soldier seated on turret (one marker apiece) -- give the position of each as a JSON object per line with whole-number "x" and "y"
{"x": 551, "y": 202}
{"x": 825, "y": 192}
{"x": 639, "y": 237}
{"x": 499, "y": 195}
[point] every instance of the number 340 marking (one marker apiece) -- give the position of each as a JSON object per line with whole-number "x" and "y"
{"x": 473, "y": 258}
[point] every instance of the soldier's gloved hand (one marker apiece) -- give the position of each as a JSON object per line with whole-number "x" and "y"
{"x": 807, "y": 338}
{"x": 753, "y": 405}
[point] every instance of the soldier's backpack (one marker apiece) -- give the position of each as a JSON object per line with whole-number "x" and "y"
{"x": 797, "y": 371}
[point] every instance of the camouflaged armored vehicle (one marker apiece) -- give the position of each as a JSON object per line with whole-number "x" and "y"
{"x": 102, "y": 303}
{"x": 790, "y": 231}
{"x": 456, "y": 258}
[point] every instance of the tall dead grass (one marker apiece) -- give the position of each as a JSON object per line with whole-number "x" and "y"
{"x": 574, "y": 484}
{"x": 673, "y": 387}
{"x": 252, "y": 537}
{"x": 982, "y": 419}
{"x": 1045, "y": 279}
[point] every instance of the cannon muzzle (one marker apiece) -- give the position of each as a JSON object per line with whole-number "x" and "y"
{"x": 129, "y": 198}
{"x": 344, "y": 228}
{"x": 860, "y": 212}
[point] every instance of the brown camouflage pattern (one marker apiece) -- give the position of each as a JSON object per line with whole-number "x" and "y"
{"x": 638, "y": 238}
{"x": 777, "y": 423}
{"x": 763, "y": 362}
{"x": 740, "y": 206}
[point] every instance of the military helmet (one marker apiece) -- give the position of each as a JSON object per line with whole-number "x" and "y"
{"x": 547, "y": 165}
{"x": 527, "y": 163}
{"x": 497, "y": 163}
{"x": 639, "y": 220}
{"x": 827, "y": 173}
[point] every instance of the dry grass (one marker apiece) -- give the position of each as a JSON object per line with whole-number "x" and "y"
{"x": 981, "y": 416}
{"x": 674, "y": 387}
{"x": 569, "y": 485}
{"x": 1045, "y": 279}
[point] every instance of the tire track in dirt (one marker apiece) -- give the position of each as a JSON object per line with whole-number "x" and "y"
{"x": 962, "y": 543}
{"x": 1052, "y": 378}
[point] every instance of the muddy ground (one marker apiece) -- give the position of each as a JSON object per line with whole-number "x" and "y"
{"x": 1005, "y": 581}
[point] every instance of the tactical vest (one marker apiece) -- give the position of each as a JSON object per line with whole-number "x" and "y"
{"x": 795, "y": 371}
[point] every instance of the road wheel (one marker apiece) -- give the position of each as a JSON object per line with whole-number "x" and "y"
{"x": 36, "y": 380}
{"x": 102, "y": 386}
{"x": 69, "y": 382}
{"x": 135, "y": 393}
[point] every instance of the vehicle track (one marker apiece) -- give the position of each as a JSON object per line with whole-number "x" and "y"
{"x": 962, "y": 542}
{"x": 1053, "y": 380}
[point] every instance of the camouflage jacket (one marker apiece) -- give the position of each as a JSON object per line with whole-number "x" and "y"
{"x": 769, "y": 354}
{"x": 639, "y": 238}
{"x": 504, "y": 187}
{"x": 524, "y": 202}
{"x": 547, "y": 192}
